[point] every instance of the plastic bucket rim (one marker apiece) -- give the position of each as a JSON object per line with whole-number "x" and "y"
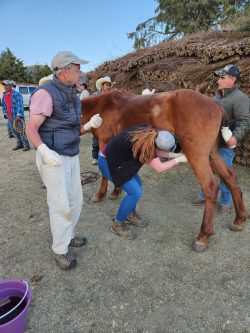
{"x": 20, "y": 302}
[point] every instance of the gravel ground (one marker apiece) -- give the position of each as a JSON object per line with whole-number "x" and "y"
{"x": 152, "y": 284}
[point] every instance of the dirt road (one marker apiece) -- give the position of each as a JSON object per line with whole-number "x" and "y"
{"x": 152, "y": 284}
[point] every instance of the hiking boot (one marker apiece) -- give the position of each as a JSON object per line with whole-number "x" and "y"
{"x": 135, "y": 219}
{"x": 94, "y": 161}
{"x": 64, "y": 261}
{"x": 122, "y": 230}
{"x": 198, "y": 202}
{"x": 18, "y": 147}
{"x": 26, "y": 148}
{"x": 78, "y": 241}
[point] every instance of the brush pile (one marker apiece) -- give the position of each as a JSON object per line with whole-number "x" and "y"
{"x": 188, "y": 63}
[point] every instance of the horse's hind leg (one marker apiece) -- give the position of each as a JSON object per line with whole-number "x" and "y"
{"x": 210, "y": 187}
{"x": 98, "y": 196}
{"x": 228, "y": 176}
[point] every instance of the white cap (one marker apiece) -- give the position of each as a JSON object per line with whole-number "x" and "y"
{"x": 7, "y": 82}
{"x": 65, "y": 58}
{"x": 45, "y": 79}
{"x": 148, "y": 91}
{"x": 165, "y": 140}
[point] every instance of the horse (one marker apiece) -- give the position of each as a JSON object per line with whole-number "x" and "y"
{"x": 195, "y": 120}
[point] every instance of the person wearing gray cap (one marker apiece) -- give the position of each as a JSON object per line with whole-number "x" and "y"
{"x": 12, "y": 103}
{"x": 237, "y": 105}
{"x": 121, "y": 159}
{"x": 54, "y": 129}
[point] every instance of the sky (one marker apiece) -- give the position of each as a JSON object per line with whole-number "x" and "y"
{"x": 95, "y": 30}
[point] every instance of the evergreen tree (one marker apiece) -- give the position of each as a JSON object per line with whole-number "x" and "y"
{"x": 175, "y": 18}
{"x": 36, "y": 72}
{"x": 12, "y": 68}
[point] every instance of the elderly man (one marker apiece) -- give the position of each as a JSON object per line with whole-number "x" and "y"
{"x": 54, "y": 128}
{"x": 12, "y": 103}
{"x": 236, "y": 105}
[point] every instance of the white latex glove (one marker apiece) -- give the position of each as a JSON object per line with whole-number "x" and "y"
{"x": 181, "y": 159}
{"x": 95, "y": 122}
{"x": 49, "y": 157}
{"x": 173, "y": 155}
{"x": 226, "y": 134}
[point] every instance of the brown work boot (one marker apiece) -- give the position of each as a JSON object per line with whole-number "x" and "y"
{"x": 198, "y": 202}
{"x": 78, "y": 241}
{"x": 135, "y": 219}
{"x": 121, "y": 229}
{"x": 64, "y": 261}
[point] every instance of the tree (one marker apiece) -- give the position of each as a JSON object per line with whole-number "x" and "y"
{"x": 36, "y": 72}
{"x": 176, "y": 18}
{"x": 11, "y": 67}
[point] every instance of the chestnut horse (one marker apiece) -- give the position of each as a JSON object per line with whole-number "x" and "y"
{"x": 195, "y": 120}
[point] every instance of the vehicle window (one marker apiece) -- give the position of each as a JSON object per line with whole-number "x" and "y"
{"x": 31, "y": 89}
{"x": 23, "y": 90}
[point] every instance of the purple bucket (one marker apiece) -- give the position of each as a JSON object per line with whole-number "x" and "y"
{"x": 16, "y": 292}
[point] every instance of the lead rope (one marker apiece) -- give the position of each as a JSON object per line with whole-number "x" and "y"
{"x": 89, "y": 177}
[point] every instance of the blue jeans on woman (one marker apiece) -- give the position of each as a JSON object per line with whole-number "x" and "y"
{"x": 226, "y": 199}
{"x": 132, "y": 187}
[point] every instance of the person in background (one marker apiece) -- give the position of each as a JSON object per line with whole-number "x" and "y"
{"x": 54, "y": 129}
{"x": 45, "y": 79}
{"x": 83, "y": 88}
{"x": 121, "y": 159}
{"x": 237, "y": 105}
{"x": 12, "y": 103}
{"x": 103, "y": 85}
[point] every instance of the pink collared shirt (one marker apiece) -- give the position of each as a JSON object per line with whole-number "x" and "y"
{"x": 41, "y": 103}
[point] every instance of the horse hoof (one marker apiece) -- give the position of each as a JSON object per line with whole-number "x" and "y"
{"x": 199, "y": 247}
{"x": 96, "y": 198}
{"x": 113, "y": 196}
{"x": 236, "y": 227}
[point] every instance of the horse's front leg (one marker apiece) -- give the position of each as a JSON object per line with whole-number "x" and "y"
{"x": 102, "y": 190}
{"x": 115, "y": 194}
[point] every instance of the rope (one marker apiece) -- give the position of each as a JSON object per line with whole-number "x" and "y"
{"x": 89, "y": 177}
{"x": 19, "y": 127}
{"x": 4, "y": 138}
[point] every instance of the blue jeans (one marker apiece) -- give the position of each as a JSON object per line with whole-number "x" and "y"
{"x": 226, "y": 200}
{"x": 95, "y": 148}
{"x": 9, "y": 129}
{"x": 132, "y": 188}
{"x": 21, "y": 138}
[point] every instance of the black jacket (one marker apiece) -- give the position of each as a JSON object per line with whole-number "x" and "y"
{"x": 122, "y": 165}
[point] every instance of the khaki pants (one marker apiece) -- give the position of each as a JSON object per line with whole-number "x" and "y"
{"x": 64, "y": 198}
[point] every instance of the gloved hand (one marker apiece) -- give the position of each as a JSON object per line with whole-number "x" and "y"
{"x": 5, "y": 116}
{"x": 49, "y": 156}
{"x": 173, "y": 155}
{"x": 227, "y": 134}
{"x": 95, "y": 122}
{"x": 181, "y": 159}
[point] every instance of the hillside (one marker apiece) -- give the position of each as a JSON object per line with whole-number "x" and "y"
{"x": 188, "y": 63}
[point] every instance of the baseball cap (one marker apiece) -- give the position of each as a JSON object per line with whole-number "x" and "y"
{"x": 165, "y": 140}
{"x": 65, "y": 58}
{"x": 231, "y": 69}
{"x": 7, "y": 82}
